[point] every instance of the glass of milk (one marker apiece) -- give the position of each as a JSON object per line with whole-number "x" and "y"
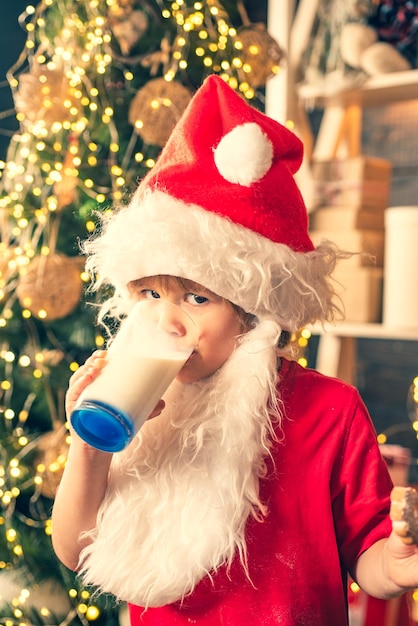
{"x": 150, "y": 348}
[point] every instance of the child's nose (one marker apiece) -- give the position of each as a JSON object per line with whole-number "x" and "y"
{"x": 175, "y": 328}
{"x": 171, "y": 321}
{"x": 176, "y": 323}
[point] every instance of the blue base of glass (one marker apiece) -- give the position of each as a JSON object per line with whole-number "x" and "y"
{"x": 102, "y": 425}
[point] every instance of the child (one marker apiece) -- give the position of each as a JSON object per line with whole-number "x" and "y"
{"x": 258, "y": 485}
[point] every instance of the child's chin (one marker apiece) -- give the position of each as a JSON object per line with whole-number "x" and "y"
{"x": 187, "y": 377}
{"x": 189, "y": 373}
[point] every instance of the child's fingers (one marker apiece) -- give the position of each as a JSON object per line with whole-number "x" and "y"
{"x": 94, "y": 362}
{"x": 158, "y": 409}
{"x": 84, "y": 375}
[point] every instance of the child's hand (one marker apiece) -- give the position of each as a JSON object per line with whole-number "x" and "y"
{"x": 83, "y": 377}
{"x": 401, "y": 547}
{"x": 401, "y": 562}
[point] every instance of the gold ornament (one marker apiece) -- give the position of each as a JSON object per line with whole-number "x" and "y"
{"x": 127, "y": 26}
{"x": 46, "y": 95}
{"x": 156, "y": 108}
{"x": 50, "y": 287}
{"x": 260, "y": 52}
{"x": 7, "y": 263}
{"x": 52, "y": 451}
{"x": 153, "y": 60}
{"x": 121, "y": 6}
{"x": 66, "y": 188}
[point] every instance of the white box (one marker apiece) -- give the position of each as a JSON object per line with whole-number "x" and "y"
{"x": 346, "y": 218}
{"x": 360, "y": 181}
{"x": 360, "y": 290}
{"x": 365, "y": 241}
{"x": 400, "y": 300}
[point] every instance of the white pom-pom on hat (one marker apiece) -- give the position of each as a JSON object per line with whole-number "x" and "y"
{"x": 244, "y": 155}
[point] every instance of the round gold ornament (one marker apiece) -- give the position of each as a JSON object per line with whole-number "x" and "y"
{"x": 6, "y": 262}
{"x": 156, "y": 109}
{"x": 46, "y": 95}
{"x": 260, "y": 52}
{"x": 50, "y": 286}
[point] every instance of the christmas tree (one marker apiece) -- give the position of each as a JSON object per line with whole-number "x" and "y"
{"x": 97, "y": 89}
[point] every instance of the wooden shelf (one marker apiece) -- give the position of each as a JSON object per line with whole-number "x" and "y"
{"x": 368, "y": 331}
{"x": 374, "y": 91}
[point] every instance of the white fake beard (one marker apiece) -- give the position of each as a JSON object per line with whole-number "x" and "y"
{"x": 180, "y": 495}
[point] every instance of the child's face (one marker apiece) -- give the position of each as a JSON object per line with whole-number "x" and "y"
{"x": 218, "y": 322}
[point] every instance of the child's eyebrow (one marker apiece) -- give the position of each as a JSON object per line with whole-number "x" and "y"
{"x": 197, "y": 287}
{"x": 142, "y": 283}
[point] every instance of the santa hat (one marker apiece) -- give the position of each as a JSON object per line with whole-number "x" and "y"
{"x": 221, "y": 208}
{"x": 232, "y": 160}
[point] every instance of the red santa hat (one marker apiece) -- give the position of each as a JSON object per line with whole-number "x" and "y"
{"x": 232, "y": 160}
{"x": 221, "y": 208}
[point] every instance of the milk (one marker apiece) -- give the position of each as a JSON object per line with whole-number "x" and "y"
{"x": 151, "y": 347}
{"x": 134, "y": 383}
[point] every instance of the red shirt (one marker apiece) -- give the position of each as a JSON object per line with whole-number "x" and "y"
{"x": 328, "y": 497}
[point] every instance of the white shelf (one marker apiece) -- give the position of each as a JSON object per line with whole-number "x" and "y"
{"x": 370, "y": 331}
{"x": 337, "y": 347}
{"x": 374, "y": 91}
{"x": 336, "y": 355}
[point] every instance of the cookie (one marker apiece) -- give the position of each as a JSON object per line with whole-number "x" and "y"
{"x": 404, "y": 513}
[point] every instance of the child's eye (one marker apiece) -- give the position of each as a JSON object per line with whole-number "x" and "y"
{"x": 150, "y": 293}
{"x": 194, "y": 298}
